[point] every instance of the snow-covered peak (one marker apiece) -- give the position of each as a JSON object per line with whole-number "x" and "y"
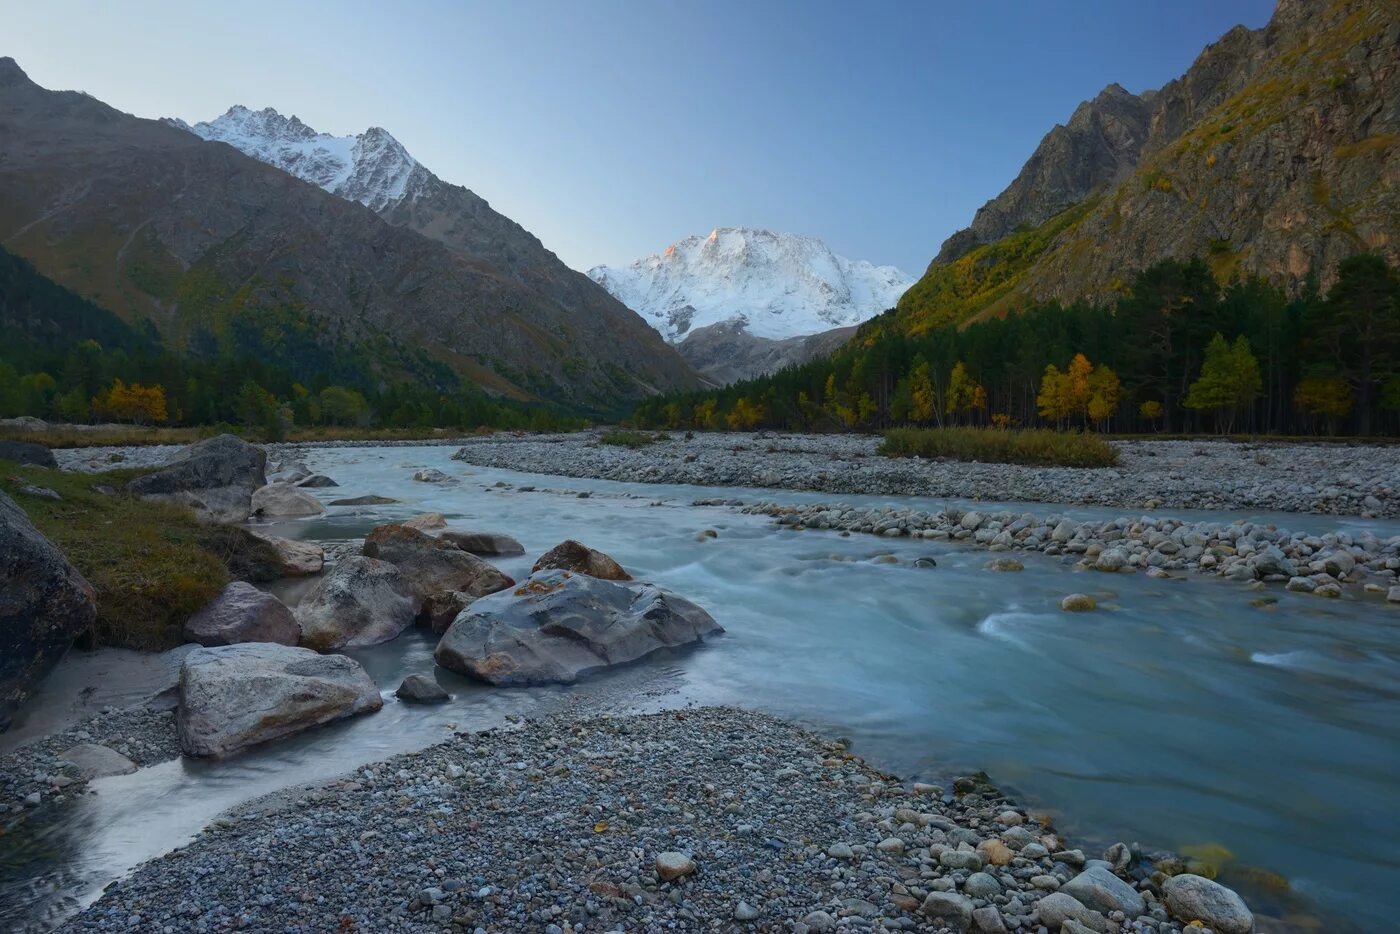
{"x": 779, "y": 285}
{"x": 372, "y": 168}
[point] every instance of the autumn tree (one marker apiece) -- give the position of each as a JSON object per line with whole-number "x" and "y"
{"x": 923, "y": 395}
{"x": 131, "y": 403}
{"x": 1326, "y": 397}
{"x": 965, "y": 394}
{"x": 1053, "y": 401}
{"x": 1229, "y": 381}
{"x": 1104, "y": 390}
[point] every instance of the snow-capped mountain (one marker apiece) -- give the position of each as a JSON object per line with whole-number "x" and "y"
{"x": 372, "y": 168}
{"x": 778, "y": 285}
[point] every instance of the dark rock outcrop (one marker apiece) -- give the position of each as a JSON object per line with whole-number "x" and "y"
{"x": 575, "y": 556}
{"x": 431, "y": 565}
{"x": 483, "y": 543}
{"x": 727, "y": 353}
{"x": 27, "y": 452}
{"x": 216, "y": 477}
{"x": 558, "y": 625}
{"x": 44, "y": 604}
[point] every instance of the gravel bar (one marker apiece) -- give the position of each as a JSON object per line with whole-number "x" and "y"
{"x": 712, "y": 817}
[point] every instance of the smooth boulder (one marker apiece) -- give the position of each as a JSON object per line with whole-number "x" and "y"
{"x": 483, "y": 543}
{"x": 44, "y": 604}
{"x": 443, "y": 607}
{"x": 215, "y": 477}
{"x": 432, "y": 565}
{"x": 361, "y": 601}
{"x": 1196, "y": 898}
{"x": 370, "y": 500}
{"x": 420, "y": 689}
{"x": 92, "y": 761}
{"x": 286, "y": 501}
{"x": 294, "y": 558}
{"x": 236, "y": 696}
{"x": 243, "y": 613}
{"x": 570, "y": 555}
{"x": 558, "y": 625}
{"x": 27, "y": 452}
{"x": 1098, "y": 888}
{"x": 317, "y": 481}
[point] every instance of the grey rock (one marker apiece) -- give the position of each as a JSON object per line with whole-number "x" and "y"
{"x": 982, "y": 885}
{"x": 284, "y": 500}
{"x": 432, "y": 565}
{"x": 1054, "y": 909}
{"x": 483, "y": 543}
{"x": 317, "y": 481}
{"x": 949, "y": 908}
{"x": 94, "y": 761}
{"x": 558, "y": 625}
{"x": 988, "y": 920}
{"x": 27, "y": 452}
{"x": 420, "y": 689}
{"x": 1196, "y": 898}
{"x": 575, "y": 556}
{"x": 243, "y": 613}
{"x": 236, "y": 696}
{"x": 215, "y": 477}
{"x": 361, "y": 601}
{"x": 1099, "y": 889}
{"x": 295, "y": 558}
{"x": 370, "y": 500}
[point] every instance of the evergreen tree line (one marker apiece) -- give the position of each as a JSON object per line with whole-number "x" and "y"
{"x": 62, "y": 358}
{"x": 1175, "y": 352}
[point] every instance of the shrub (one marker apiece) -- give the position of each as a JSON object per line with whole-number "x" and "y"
{"x": 1035, "y": 446}
{"x": 625, "y": 438}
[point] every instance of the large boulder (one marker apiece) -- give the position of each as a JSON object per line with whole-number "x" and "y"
{"x": 44, "y": 604}
{"x": 27, "y": 452}
{"x": 215, "y": 477}
{"x": 558, "y": 625}
{"x": 294, "y": 558}
{"x": 575, "y": 556}
{"x": 1196, "y": 898}
{"x": 432, "y": 565}
{"x": 236, "y": 696}
{"x": 286, "y": 501}
{"x": 361, "y": 601}
{"x": 243, "y": 613}
{"x": 483, "y": 543}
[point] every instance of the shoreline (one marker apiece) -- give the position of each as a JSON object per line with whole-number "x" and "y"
{"x": 564, "y": 822}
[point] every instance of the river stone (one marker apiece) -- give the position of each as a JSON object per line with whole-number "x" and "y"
{"x": 317, "y": 481}
{"x": 433, "y": 565}
{"x": 236, "y": 696}
{"x": 361, "y": 601}
{"x": 1005, "y": 564}
{"x": 949, "y": 908}
{"x": 1196, "y": 898}
{"x": 243, "y": 613}
{"x": 27, "y": 452}
{"x": 1056, "y": 907}
{"x": 370, "y": 500}
{"x": 420, "y": 689}
{"x": 982, "y": 885}
{"x": 575, "y": 556}
{"x": 671, "y": 865}
{"x": 426, "y": 522}
{"x": 988, "y": 920}
{"x": 1098, "y": 888}
{"x": 430, "y": 475}
{"x": 1078, "y": 603}
{"x": 285, "y": 500}
{"x": 294, "y": 558}
{"x": 44, "y": 604}
{"x": 558, "y": 625}
{"x": 93, "y": 761}
{"x": 215, "y": 477}
{"x": 442, "y": 608}
{"x": 483, "y": 543}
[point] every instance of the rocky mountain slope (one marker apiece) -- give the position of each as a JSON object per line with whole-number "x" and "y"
{"x": 727, "y": 353}
{"x": 1277, "y": 153}
{"x": 149, "y": 220}
{"x": 778, "y": 285}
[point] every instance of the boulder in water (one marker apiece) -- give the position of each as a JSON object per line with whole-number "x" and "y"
{"x": 284, "y": 500}
{"x": 236, "y": 696}
{"x": 361, "y": 601}
{"x": 370, "y": 500}
{"x": 215, "y": 477}
{"x": 420, "y": 689}
{"x": 558, "y": 625}
{"x": 93, "y": 761}
{"x": 426, "y": 522}
{"x": 442, "y": 608}
{"x": 433, "y": 565}
{"x": 483, "y": 543}
{"x": 575, "y": 556}
{"x": 317, "y": 481}
{"x": 243, "y": 613}
{"x": 294, "y": 558}
{"x": 44, "y": 604}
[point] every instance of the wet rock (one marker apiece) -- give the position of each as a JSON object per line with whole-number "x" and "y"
{"x": 1098, "y": 888}
{"x": 431, "y": 475}
{"x": 284, "y": 500}
{"x": 361, "y": 601}
{"x": 1057, "y": 907}
{"x": 370, "y": 500}
{"x": 1005, "y": 564}
{"x": 420, "y": 689}
{"x": 27, "y": 452}
{"x": 44, "y": 604}
{"x": 294, "y": 558}
{"x": 443, "y": 607}
{"x": 433, "y": 565}
{"x": 558, "y": 625}
{"x": 1078, "y": 603}
{"x": 484, "y": 543}
{"x": 317, "y": 481}
{"x": 215, "y": 477}
{"x": 236, "y": 696}
{"x": 575, "y": 556}
{"x": 1195, "y": 898}
{"x": 94, "y": 761}
{"x": 426, "y": 522}
{"x": 243, "y": 613}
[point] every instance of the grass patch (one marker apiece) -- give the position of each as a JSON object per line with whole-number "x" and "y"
{"x": 69, "y": 436}
{"x": 626, "y": 438}
{"x": 152, "y": 565}
{"x": 1035, "y": 446}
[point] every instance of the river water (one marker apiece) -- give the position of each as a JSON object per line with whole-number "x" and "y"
{"x": 1180, "y": 714}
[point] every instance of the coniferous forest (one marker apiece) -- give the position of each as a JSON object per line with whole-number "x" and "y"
{"x": 1175, "y": 352}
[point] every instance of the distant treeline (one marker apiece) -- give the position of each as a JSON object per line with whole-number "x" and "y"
{"x": 1175, "y": 352}
{"x": 63, "y": 358}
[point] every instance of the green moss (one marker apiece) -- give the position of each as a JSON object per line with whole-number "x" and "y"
{"x": 152, "y": 565}
{"x": 950, "y": 293}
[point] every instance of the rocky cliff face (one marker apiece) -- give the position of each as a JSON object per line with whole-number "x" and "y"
{"x": 149, "y": 220}
{"x": 726, "y": 352}
{"x": 1278, "y": 152}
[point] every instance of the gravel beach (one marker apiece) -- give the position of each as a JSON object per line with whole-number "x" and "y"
{"x": 1336, "y": 479}
{"x": 711, "y": 818}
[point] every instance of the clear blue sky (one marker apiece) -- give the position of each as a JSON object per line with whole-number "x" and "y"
{"x": 611, "y": 129}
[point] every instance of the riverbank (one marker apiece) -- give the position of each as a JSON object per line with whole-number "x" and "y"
{"x": 685, "y": 818}
{"x": 1349, "y": 480}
